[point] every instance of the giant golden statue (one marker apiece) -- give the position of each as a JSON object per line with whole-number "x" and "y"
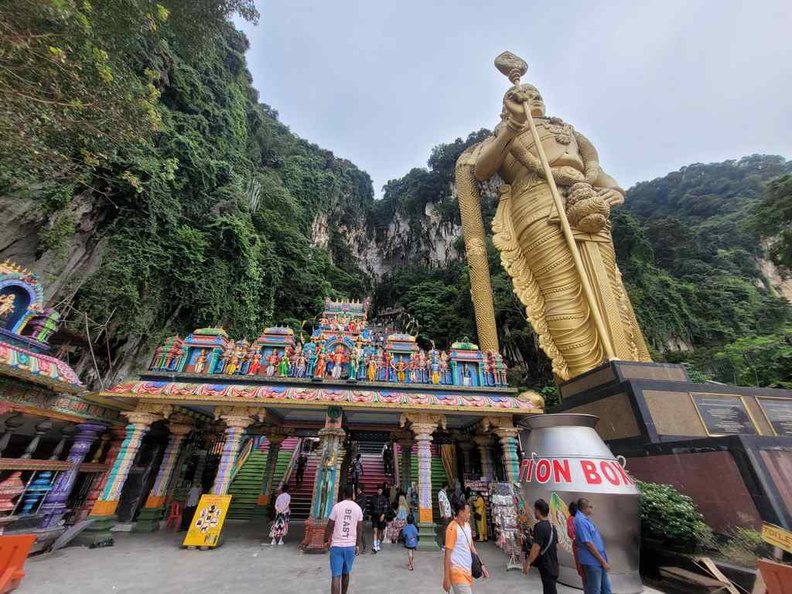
{"x": 552, "y": 228}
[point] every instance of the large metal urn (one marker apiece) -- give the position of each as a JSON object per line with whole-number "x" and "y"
{"x": 565, "y": 459}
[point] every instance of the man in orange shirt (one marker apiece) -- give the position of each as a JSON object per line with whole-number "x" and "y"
{"x": 459, "y": 551}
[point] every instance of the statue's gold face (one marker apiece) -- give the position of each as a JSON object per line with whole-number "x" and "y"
{"x": 537, "y": 103}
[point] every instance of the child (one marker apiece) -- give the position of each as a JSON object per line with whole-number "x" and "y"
{"x": 410, "y": 533}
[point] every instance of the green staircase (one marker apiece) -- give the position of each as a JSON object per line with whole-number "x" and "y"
{"x": 246, "y": 486}
{"x": 438, "y": 478}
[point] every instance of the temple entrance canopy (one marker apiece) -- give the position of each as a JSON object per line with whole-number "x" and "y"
{"x": 344, "y": 380}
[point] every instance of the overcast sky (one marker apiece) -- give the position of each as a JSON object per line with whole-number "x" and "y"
{"x": 655, "y": 84}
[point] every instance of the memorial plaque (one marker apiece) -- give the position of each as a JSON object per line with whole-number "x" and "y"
{"x": 779, "y": 414}
{"x": 724, "y": 414}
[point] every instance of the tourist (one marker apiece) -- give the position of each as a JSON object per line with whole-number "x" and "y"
{"x": 479, "y": 507}
{"x": 363, "y": 501}
{"x": 591, "y": 551}
{"x": 410, "y": 534}
{"x": 459, "y": 551}
{"x": 193, "y": 497}
{"x": 343, "y": 534}
{"x": 356, "y": 471}
{"x": 387, "y": 458}
{"x": 445, "y": 511}
{"x": 379, "y": 506}
{"x": 302, "y": 461}
{"x": 544, "y": 554}
{"x": 570, "y": 525}
{"x": 280, "y": 527}
{"x": 402, "y": 511}
{"x": 413, "y": 499}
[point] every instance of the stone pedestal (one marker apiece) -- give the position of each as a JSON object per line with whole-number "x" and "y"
{"x": 313, "y": 541}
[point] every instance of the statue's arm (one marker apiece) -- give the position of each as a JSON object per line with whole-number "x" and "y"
{"x": 494, "y": 151}
{"x": 614, "y": 194}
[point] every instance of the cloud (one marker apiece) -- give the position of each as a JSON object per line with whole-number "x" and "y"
{"x": 655, "y": 85}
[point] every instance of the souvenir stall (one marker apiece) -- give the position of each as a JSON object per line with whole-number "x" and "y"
{"x": 505, "y": 526}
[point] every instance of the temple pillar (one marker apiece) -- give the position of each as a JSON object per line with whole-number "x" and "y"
{"x": 8, "y": 428}
{"x": 466, "y": 447}
{"x": 406, "y": 442}
{"x": 54, "y": 504}
{"x": 485, "y": 451}
{"x": 67, "y": 433}
{"x": 103, "y": 512}
{"x": 41, "y": 430}
{"x": 236, "y": 419}
{"x": 423, "y": 425}
{"x": 275, "y": 439}
{"x": 326, "y": 484}
{"x": 507, "y": 432}
{"x": 111, "y": 443}
{"x": 154, "y": 509}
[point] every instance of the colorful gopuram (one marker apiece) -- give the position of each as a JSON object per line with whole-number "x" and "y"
{"x": 343, "y": 389}
{"x": 55, "y": 447}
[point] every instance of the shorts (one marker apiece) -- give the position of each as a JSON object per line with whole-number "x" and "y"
{"x": 378, "y": 524}
{"x": 462, "y": 588}
{"x": 341, "y": 560}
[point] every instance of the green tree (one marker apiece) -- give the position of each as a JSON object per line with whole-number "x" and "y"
{"x": 773, "y": 219}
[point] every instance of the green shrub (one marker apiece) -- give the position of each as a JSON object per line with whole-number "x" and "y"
{"x": 671, "y": 518}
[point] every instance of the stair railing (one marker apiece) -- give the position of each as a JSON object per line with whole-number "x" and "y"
{"x": 242, "y": 458}
{"x": 292, "y": 462}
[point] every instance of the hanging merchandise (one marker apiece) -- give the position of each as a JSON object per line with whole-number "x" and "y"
{"x": 504, "y": 522}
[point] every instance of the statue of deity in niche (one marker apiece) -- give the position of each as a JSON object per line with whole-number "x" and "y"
{"x": 533, "y": 248}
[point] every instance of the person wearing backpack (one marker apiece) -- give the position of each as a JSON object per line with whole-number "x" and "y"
{"x": 543, "y": 554}
{"x": 410, "y": 534}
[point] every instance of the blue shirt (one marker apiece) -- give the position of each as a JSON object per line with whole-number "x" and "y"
{"x": 586, "y": 531}
{"x": 410, "y": 533}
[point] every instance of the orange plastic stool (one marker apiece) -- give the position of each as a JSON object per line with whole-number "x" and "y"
{"x": 13, "y": 553}
{"x": 174, "y": 515}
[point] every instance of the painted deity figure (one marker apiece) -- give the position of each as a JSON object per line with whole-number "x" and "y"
{"x": 283, "y": 366}
{"x": 272, "y": 363}
{"x": 200, "y": 362}
{"x": 255, "y": 364}
{"x": 500, "y": 370}
{"x": 330, "y": 364}
{"x": 320, "y": 367}
{"x": 534, "y": 249}
{"x": 467, "y": 376}
{"x": 300, "y": 365}
{"x": 309, "y": 372}
{"x": 371, "y": 368}
{"x": 338, "y": 367}
{"x": 353, "y": 364}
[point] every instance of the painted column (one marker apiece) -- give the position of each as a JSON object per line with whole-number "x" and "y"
{"x": 423, "y": 425}
{"x": 485, "y": 451}
{"x": 103, "y": 512}
{"x": 326, "y": 484}
{"x": 508, "y": 437}
{"x": 154, "y": 509}
{"x": 237, "y": 419}
{"x": 275, "y": 441}
{"x": 54, "y": 505}
{"x": 114, "y": 437}
{"x": 139, "y": 424}
{"x": 41, "y": 430}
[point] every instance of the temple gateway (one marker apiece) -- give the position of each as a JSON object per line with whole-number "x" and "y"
{"x": 233, "y": 417}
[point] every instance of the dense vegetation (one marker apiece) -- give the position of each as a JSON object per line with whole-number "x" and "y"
{"x": 204, "y": 198}
{"x": 138, "y": 122}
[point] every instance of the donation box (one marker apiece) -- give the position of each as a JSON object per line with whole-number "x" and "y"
{"x": 565, "y": 459}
